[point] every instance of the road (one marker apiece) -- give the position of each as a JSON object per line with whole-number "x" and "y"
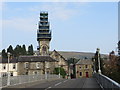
{"x": 68, "y": 83}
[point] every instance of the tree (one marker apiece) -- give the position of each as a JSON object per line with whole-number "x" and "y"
{"x": 119, "y": 48}
{"x": 4, "y": 54}
{"x": 73, "y": 61}
{"x": 30, "y": 50}
{"x": 62, "y": 71}
{"x": 17, "y": 51}
{"x": 10, "y": 49}
{"x": 24, "y": 50}
{"x": 112, "y": 68}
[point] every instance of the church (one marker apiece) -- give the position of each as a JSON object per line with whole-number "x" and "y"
{"x": 42, "y": 63}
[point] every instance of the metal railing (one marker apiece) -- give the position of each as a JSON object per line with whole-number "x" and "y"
{"x": 106, "y": 82}
{"x": 15, "y": 80}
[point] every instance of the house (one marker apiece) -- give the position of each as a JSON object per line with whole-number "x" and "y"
{"x": 27, "y": 65}
{"x": 11, "y": 67}
{"x": 84, "y": 68}
{"x": 30, "y": 65}
{"x": 62, "y": 62}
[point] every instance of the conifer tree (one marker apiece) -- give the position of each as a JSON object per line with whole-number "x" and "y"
{"x": 4, "y": 54}
{"x": 30, "y": 50}
{"x": 10, "y": 49}
{"x": 24, "y": 50}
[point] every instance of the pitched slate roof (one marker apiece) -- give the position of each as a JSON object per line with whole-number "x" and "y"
{"x": 35, "y": 59}
{"x": 84, "y": 62}
{"x": 11, "y": 60}
{"x": 58, "y": 54}
{"x": 28, "y": 59}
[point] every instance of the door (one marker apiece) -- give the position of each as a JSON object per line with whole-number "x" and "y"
{"x": 87, "y": 75}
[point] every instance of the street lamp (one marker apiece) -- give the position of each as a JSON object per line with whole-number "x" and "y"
{"x": 99, "y": 70}
{"x": 45, "y": 70}
{"x": 59, "y": 69}
{"x": 94, "y": 66}
{"x": 8, "y": 83}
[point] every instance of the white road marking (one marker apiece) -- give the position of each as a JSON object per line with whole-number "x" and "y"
{"x": 48, "y": 88}
{"x": 58, "y": 83}
{"x": 65, "y": 81}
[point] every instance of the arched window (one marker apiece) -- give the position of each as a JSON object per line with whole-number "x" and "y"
{"x": 44, "y": 48}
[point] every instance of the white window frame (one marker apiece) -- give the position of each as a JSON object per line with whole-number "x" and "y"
{"x": 38, "y": 65}
{"x": 4, "y": 65}
{"x": 14, "y": 65}
{"x": 26, "y": 65}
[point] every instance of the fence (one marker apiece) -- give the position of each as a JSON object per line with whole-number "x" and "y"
{"x": 15, "y": 80}
{"x": 106, "y": 82}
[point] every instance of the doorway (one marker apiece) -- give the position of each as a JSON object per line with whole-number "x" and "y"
{"x": 87, "y": 75}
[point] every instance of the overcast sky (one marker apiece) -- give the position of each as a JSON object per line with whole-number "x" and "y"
{"x": 80, "y": 26}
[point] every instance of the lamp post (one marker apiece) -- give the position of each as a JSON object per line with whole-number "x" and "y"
{"x": 59, "y": 69}
{"x": 8, "y": 83}
{"x": 99, "y": 70}
{"x": 94, "y": 66}
{"x": 45, "y": 70}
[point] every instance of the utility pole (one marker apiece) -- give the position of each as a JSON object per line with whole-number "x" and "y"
{"x": 59, "y": 69}
{"x": 8, "y": 83}
{"x": 94, "y": 66}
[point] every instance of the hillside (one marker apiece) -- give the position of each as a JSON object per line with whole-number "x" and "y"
{"x": 78, "y": 55}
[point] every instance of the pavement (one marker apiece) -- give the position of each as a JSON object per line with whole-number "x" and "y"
{"x": 80, "y": 83}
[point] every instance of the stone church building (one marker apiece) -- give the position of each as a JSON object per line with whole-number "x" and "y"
{"x": 41, "y": 63}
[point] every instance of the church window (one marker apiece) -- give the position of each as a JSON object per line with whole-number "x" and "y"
{"x": 44, "y": 48}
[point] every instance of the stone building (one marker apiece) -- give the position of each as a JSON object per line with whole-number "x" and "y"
{"x": 27, "y": 65}
{"x": 84, "y": 68}
{"x": 61, "y": 61}
{"x": 11, "y": 67}
{"x": 43, "y": 34}
{"x": 41, "y": 63}
{"x": 35, "y": 65}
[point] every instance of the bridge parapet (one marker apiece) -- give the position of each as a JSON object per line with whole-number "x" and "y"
{"x": 16, "y": 80}
{"x": 106, "y": 82}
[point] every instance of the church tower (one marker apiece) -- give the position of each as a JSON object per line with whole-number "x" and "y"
{"x": 43, "y": 34}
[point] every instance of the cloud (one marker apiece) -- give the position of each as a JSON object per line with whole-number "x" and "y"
{"x": 23, "y": 24}
{"x": 56, "y": 10}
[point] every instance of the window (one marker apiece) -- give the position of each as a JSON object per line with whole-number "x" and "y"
{"x": 38, "y": 65}
{"x": 34, "y": 72}
{"x": 80, "y": 73}
{"x": 4, "y": 67}
{"x": 26, "y": 73}
{"x": 14, "y": 66}
{"x": 26, "y": 65}
{"x": 86, "y": 66}
{"x": 11, "y": 74}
